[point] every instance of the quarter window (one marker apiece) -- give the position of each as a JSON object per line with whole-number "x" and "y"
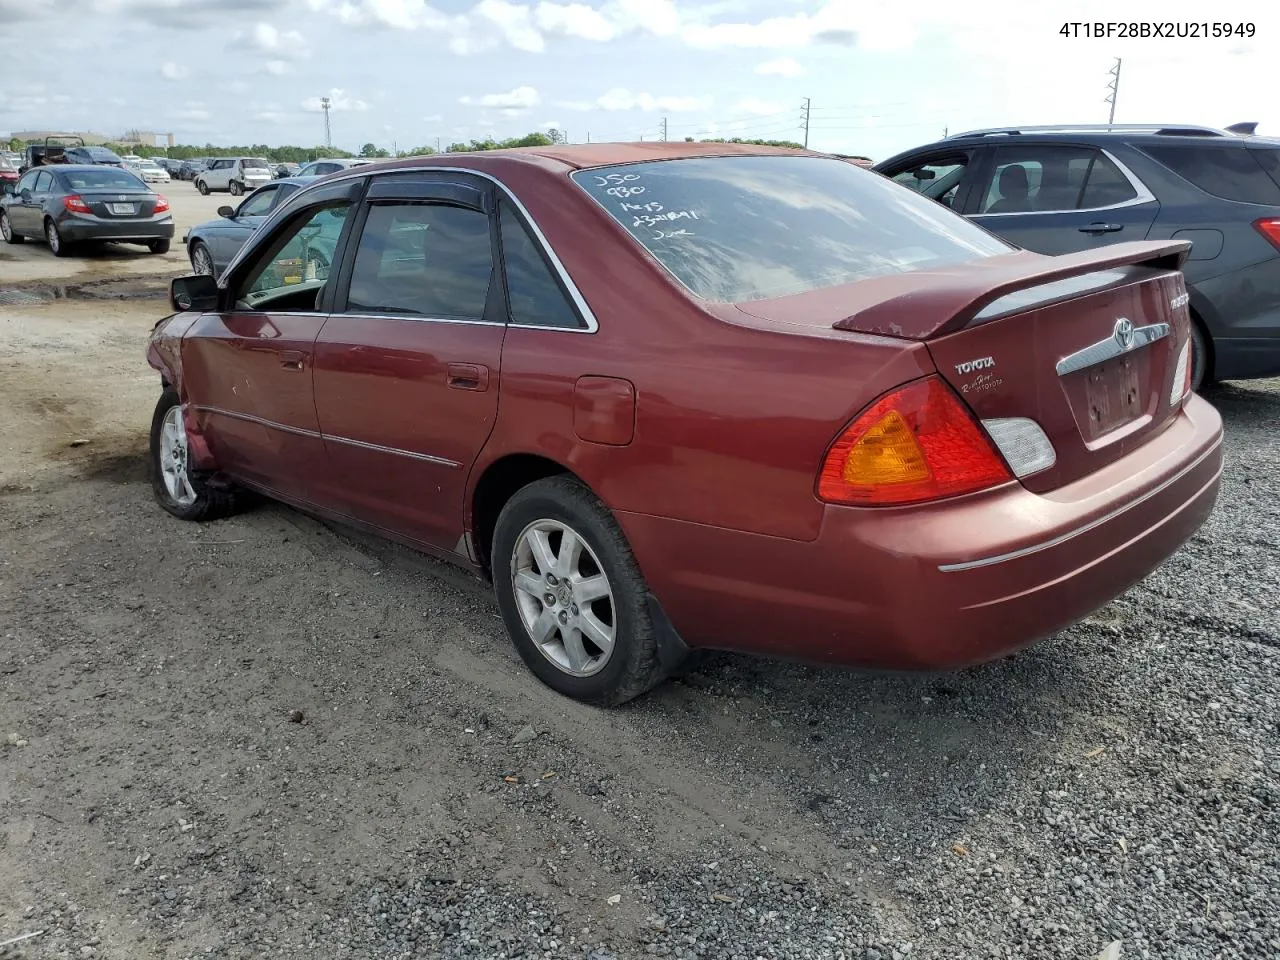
{"x": 1050, "y": 179}
{"x": 534, "y": 297}
{"x": 423, "y": 259}
{"x": 1229, "y": 171}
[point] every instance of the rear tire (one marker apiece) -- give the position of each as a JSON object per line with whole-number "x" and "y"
{"x": 158, "y": 246}
{"x": 53, "y": 236}
{"x": 235, "y": 188}
{"x": 202, "y": 187}
{"x": 1200, "y": 375}
{"x": 563, "y": 570}
{"x": 185, "y": 494}
{"x": 6, "y": 230}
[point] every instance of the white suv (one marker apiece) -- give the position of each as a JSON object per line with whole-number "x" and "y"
{"x": 237, "y": 175}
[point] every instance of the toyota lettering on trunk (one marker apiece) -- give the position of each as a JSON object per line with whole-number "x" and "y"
{"x": 982, "y": 363}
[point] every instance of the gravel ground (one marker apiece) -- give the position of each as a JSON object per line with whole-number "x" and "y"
{"x": 266, "y": 737}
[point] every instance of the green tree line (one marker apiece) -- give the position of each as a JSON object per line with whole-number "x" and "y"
{"x": 291, "y": 154}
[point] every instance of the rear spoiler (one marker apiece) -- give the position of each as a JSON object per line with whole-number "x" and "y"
{"x": 945, "y": 301}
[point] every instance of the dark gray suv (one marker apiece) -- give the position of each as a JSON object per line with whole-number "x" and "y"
{"x": 1059, "y": 189}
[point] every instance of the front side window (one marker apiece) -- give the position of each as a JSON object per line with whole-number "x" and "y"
{"x": 294, "y": 266}
{"x": 422, "y": 259}
{"x": 28, "y": 182}
{"x": 258, "y": 204}
{"x": 936, "y": 179}
{"x": 534, "y": 296}
{"x": 735, "y": 229}
{"x": 1050, "y": 179}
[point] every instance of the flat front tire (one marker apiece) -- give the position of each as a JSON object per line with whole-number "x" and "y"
{"x": 178, "y": 488}
{"x": 572, "y": 596}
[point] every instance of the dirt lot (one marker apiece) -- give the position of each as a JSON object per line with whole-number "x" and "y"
{"x": 265, "y": 737}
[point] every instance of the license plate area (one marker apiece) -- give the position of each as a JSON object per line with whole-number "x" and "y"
{"x": 1110, "y": 395}
{"x": 122, "y": 209}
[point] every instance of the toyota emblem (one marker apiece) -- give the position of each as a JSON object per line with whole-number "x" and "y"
{"x": 1124, "y": 333}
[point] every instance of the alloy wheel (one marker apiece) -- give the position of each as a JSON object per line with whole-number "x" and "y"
{"x": 202, "y": 260}
{"x": 564, "y": 597}
{"x": 51, "y": 234}
{"x": 173, "y": 458}
{"x": 6, "y": 230}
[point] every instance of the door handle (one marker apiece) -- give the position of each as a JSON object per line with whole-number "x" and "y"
{"x": 1102, "y": 228}
{"x": 291, "y": 359}
{"x": 468, "y": 376}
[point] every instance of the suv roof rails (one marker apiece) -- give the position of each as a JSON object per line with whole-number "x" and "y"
{"x": 1156, "y": 128}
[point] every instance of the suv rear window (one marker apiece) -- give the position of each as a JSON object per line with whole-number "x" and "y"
{"x": 736, "y": 229}
{"x": 1228, "y": 171}
{"x": 254, "y": 163}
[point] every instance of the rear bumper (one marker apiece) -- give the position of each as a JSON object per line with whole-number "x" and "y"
{"x": 943, "y": 586}
{"x": 81, "y": 228}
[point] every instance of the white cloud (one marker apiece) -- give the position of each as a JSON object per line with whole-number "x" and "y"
{"x": 519, "y": 99}
{"x": 173, "y": 71}
{"x": 575, "y": 20}
{"x": 193, "y": 111}
{"x": 619, "y": 98}
{"x": 289, "y": 43}
{"x": 513, "y": 22}
{"x": 339, "y": 100}
{"x": 277, "y": 68}
{"x": 783, "y": 67}
{"x": 760, "y": 108}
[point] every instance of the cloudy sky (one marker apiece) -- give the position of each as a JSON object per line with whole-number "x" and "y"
{"x": 881, "y": 76}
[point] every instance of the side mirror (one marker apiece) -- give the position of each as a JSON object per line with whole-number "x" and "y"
{"x": 228, "y": 212}
{"x": 196, "y": 293}
{"x": 924, "y": 174}
{"x": 25, "y": 194}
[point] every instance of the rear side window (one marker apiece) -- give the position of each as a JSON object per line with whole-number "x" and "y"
{"x": 1269, "y": 159}
{"x": 422, "y": 259}
{"x": 1049, "y": 179}
{"x": 735, "y": 229}
{"x": 1228, "y": 171}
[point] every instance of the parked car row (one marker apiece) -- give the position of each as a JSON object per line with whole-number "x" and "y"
{"x": 531, "y": 363}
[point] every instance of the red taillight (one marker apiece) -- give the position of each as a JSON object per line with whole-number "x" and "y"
{"x": 1269, "y": 227}
{"x": 161, "y": 203}
{"x": 76, "y": 204}
{"x": 916, "y": 443}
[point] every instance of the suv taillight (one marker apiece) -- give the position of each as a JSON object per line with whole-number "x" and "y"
{"x": 914, "y": 444}
{"x": 1269, "y": 227}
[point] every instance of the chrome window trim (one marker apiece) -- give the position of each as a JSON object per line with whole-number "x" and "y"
{"x": 1093, "y": 524}
{"x": 1144, "y": 195}
{"x": 316, "y": 435}
{"x": 352, "y": 173}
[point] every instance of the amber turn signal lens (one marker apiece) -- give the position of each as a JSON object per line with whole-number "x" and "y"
{"x": 914, "y": 444}
{"x": 887, "y": 453}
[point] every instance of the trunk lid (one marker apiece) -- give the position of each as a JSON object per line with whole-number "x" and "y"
{"x": 1086, "y": 344}
{"x": 120, "y": 204}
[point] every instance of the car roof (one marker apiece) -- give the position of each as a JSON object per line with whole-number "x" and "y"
{"x": 580, "y": 156}
{"x": 1150, "y": 133}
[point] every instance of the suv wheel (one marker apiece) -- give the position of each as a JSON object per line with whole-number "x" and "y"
{"x": 236, "y": 188}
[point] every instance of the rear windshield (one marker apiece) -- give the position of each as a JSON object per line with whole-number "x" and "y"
{"x": 105, "y": 178}
{"x": 735, "y": 229}
{"x": 255, "y": 163}
{"x": 1230, "y": 172}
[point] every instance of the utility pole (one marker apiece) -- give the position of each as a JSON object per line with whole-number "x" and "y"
{"x": 328, "y": 136}
{"x": 437, "y": 144}
{"x": 804, "y": 118}
{"x": 1114, "y": 87}
{"x": 588, "y": 136}
{"x": 664, "y": 129}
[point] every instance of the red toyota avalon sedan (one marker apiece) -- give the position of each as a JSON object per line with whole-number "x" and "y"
{"x": 671, "y": 396}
